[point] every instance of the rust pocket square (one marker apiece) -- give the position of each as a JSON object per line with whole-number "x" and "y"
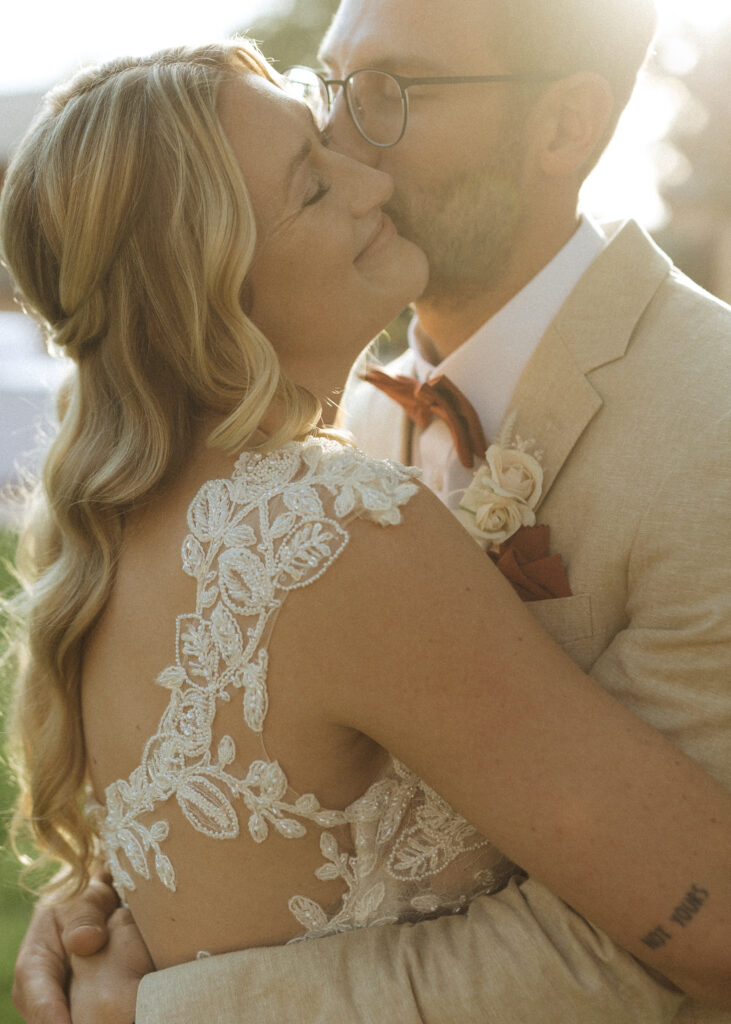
{"x": 525, "y": 562}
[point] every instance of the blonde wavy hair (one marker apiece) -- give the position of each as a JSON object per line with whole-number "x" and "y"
{"x": 126, "y": 224}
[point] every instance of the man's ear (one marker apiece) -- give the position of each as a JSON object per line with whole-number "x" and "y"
{"x": 571, "y": 122}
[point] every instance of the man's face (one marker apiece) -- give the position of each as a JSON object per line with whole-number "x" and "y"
{"x": 457, "y": 169}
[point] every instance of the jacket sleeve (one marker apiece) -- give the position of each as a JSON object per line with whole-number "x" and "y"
{"x": 670, "y": 664}
{"x": 517, "y": 957}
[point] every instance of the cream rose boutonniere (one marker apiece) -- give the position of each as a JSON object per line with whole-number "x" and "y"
{"x": 498, "y": 510}
{"x": 516, "y": 473}
{"x": 502, "y": 496}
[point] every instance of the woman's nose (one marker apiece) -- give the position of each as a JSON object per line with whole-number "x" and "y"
{"x": 371, "y": 188}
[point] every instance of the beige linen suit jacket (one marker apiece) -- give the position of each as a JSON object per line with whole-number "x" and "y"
{"x": 628, "y": 396}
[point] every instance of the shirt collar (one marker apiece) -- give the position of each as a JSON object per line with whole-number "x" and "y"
{"x": 487, "y": 366}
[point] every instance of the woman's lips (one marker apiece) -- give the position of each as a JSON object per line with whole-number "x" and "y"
{"x": 383, "y": 233}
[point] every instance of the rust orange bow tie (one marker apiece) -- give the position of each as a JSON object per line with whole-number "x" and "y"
{"x": 435, "y": 397}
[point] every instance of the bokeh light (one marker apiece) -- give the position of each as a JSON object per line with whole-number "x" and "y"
{"x": 625, "y": 183}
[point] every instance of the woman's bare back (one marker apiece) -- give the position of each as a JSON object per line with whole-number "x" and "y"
{"x": 314, "y": 827}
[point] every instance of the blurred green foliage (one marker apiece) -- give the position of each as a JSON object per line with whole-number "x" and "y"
{"x": 291, "y": 35}
{"x": 15, "y": 904}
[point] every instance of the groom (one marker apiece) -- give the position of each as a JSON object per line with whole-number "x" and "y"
{"x": 586, "y": 340}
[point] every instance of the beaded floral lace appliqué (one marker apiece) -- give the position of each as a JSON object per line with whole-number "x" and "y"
{"x": 276, "y": 526}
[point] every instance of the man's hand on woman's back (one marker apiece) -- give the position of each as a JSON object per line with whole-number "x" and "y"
{"x": 85, "y": 929}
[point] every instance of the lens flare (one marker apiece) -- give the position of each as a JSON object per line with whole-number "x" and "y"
{"x": 703, "y": 14}
{"x": 624, "y": 183}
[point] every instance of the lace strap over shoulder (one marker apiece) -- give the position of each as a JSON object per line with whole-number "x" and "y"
{"x": 359, "y": 484}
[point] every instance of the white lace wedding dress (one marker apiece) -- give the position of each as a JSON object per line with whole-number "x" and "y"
{"x": 275, "y": 526}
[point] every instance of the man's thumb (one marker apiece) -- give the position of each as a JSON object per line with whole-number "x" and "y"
{"x": 84, "y": 937}
{"x": 84, "y": 919}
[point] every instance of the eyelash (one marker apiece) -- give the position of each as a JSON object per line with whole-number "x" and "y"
{"x": 322, "y": 191}
{"x": 322, "y": 187}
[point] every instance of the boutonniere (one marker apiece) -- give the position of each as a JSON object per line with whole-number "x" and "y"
{"x": 502, "y": 496}
{"x": 498, "y": 510}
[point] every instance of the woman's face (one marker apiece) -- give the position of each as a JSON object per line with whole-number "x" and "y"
{"x": 329, "y": 271}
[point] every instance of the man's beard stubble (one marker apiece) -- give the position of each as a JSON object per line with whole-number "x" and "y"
{"x": 466, "y": 227}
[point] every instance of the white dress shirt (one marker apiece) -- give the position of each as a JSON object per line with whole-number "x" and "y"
{"x": 486, "y": 368}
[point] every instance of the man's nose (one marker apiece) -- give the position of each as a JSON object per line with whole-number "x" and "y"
{"x": 345, "y": 137}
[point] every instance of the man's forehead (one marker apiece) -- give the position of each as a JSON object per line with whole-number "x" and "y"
{"x": 407, "y": 36}
{"x": 399, "y": 63}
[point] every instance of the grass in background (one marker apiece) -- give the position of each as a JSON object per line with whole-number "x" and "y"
{"x": 15, "y": 904}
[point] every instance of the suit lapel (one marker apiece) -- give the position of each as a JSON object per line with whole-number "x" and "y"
{"x": 553, "y": 404}
{"x": 555, "y": 399}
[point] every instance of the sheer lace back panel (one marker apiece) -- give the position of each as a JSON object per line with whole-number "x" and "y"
{"x": 276, "y": 526}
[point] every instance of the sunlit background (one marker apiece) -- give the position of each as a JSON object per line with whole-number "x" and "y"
{"x": 43, "y": 40}
{"x": 669, "y": 165}
{"x": 626, "y": 182}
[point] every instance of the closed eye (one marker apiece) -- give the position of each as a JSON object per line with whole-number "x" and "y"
{"x": 322, "y": 187}
{"x": 322, "y": 190}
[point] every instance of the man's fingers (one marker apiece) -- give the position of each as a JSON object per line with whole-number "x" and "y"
{"x": 84, "y": 919}
{"x": 39, "y": 986}
{"x": 39, "y": 1006}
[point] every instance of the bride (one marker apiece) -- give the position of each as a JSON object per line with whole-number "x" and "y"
{"x": 297, "y": 697}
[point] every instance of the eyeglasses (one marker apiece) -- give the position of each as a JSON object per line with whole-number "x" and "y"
{"x": 378, "y": 101}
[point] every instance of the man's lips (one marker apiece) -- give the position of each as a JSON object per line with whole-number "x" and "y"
{"x": 382, "y": 233}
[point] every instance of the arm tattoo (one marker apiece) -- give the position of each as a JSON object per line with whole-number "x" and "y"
{"x": 681, "y": 916}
